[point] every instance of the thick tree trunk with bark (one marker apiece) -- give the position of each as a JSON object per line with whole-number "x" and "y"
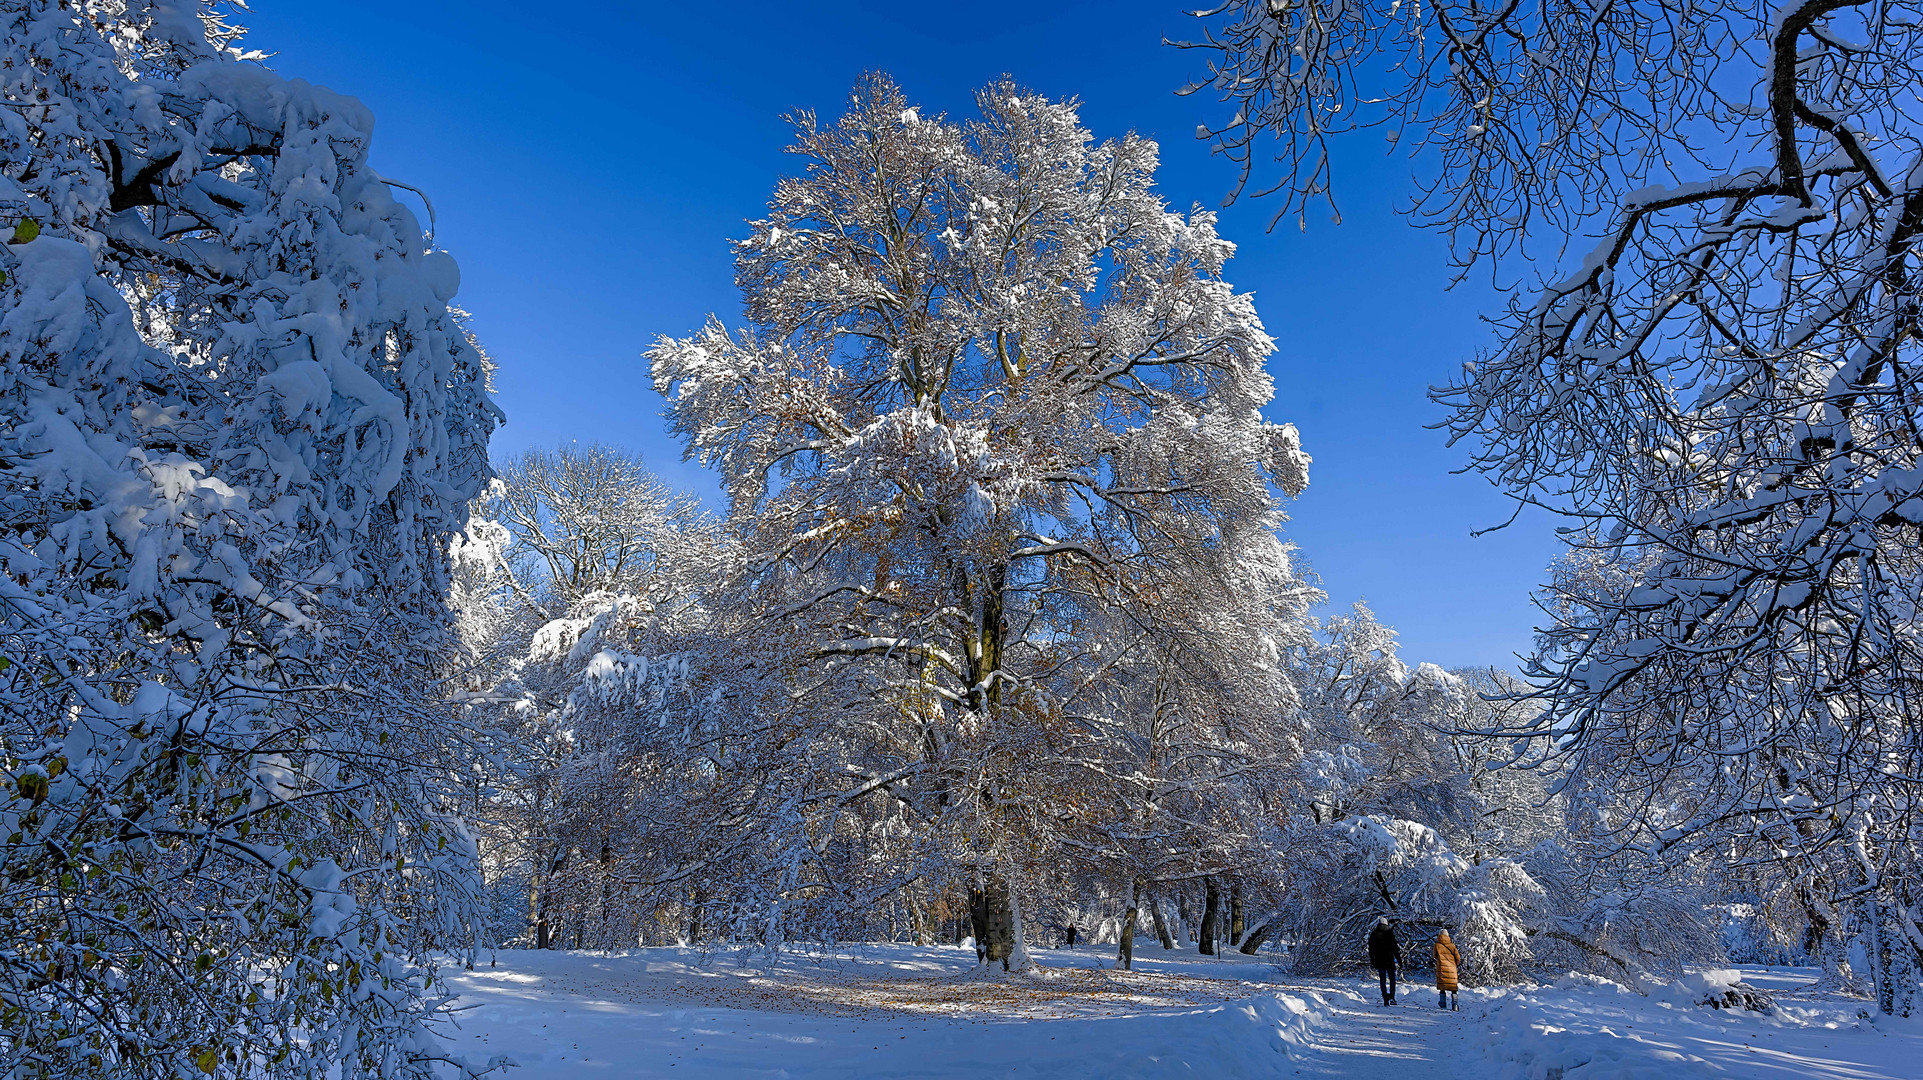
{"x": 541, "y": 897}
{"x": 1161, "y": 924}
{"x": 999, "y": 929}
{"x": 1127, "y": 957}
{"x": 991, "y": 631}
{"x": 1892, "y": 958}
{"x": 991, "y": 905}
{"x": 698, "y": 901}
{"x": 918, "y": 919}
{"x": 1816, "y": 924}
{"x": 1210, "y": 922}
{"x": 1236, "y": 925}
{"x": 1824, "y": 944}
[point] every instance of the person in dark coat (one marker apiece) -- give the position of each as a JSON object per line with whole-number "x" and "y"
{"x": 1384, "y": 951}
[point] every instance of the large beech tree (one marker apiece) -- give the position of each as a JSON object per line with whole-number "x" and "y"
{"x": 1720, "y": 395}
{"x": 989, "y": 383}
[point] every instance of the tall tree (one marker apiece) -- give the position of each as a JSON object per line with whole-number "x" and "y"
{"x": 1184, "y": 728}
{"x": 984, "y": 366}
{"x": 1721, "y": 396}
{"x": 583, "y": 577}
{"x": 238, "y": 425}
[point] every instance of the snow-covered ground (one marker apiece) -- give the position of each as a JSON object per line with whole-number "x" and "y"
{"x": 1586, "y": 1029}
{"x": 924, "y": 1012}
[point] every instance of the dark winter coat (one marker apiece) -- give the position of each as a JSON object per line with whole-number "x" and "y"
{"x": 1382, "y": 948}
{"x": 1446, "y": 960}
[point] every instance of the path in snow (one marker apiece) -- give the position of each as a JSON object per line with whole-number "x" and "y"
{"x": 1414, "y": 1038}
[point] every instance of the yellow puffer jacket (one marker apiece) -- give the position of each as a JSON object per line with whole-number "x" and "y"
{"x": 1446, "y": 960}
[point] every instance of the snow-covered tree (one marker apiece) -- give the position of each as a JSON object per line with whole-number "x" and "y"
{"x": 584, "y": 582}
{"x": 1720, "y": 395}
{"x": 589, "y": 519}
{"x": 238, "y": 425}
{"x": 1183, "y": 726}
{"x": 989, "y": 379}
{"x": 1348, "y": 873}
{"x": 1374, "y": 744}
{"x": 1399, "y": 809}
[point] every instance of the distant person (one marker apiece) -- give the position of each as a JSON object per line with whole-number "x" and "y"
{"x": 1447, "y": 960}
{"x": 1384, "y": 950}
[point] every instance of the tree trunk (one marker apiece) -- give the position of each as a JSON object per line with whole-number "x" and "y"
{"x": 1128, "y": 925}
{"x": 607, "y": 891}
{"x": 1161, "y": 924}
{"x": 991, "y": 903}
{"x": 1206, "y": 944}
{"x": 541, "y": 897}
{"x": 1824, "y": 944}
{"x": 698, "y": 901}
{"x": 1236, "y": 925}
{"x": 978, "y": 920}
{"x": 985, "y": 652}
{"x": 1816, "y": 927}
{"x": 536, "y": 914}
{"x": 1000, "y": 925}
{"x": 1253, "y": 942}
{"x": 918, "y": 918}
{"x": 1892, "y": 958}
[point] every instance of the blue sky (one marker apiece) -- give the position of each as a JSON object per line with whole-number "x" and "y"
{"x": 588, "y": 162}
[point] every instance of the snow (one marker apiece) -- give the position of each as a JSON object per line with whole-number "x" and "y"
{"x": 907, "y": 1011}
{"x": 880, "y": 1011}
{"x": 1587, "y": 1028}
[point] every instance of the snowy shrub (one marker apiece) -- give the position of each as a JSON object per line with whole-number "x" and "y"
{"x": 1363, "y": 868}
{"x": 238, "y": 425}
{"x": 1621, "y": 919}
{"x": 1723, "y": 989}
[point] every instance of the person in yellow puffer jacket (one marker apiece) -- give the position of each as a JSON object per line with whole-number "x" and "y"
{"x": 1447, "y": 960}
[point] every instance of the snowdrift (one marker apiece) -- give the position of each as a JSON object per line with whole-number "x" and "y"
{"x": 1587, "y": 1028}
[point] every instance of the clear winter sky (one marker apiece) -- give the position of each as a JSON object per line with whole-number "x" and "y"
{"x": 588, "y": 162}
